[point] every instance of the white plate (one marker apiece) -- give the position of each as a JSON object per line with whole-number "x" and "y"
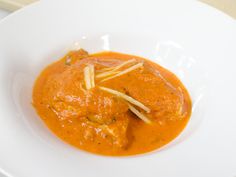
{"x": 191, "y": 39}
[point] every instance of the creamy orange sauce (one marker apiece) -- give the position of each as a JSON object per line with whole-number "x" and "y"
{"x": 100, "y": 122}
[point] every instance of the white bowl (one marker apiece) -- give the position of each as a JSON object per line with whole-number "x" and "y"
{"x": 191, "y": 39}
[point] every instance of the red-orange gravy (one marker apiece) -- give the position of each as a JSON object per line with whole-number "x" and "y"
{"x": 102, "y": 123}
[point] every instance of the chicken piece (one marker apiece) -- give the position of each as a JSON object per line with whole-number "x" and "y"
{"x": 114, "y": 134}
{"x": 101, "y": 115}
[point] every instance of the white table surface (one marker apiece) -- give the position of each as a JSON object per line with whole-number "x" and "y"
{"x": 3, "y": 14}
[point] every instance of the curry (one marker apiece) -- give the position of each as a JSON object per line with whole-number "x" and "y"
{"x": 111, "y": 103}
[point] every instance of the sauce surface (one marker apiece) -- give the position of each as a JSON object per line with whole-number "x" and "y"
{"x": 101, "y": 122}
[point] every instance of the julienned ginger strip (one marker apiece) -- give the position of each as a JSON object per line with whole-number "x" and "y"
{"x": 91, "y": 71}
{"x": 106, "y": 74}
{"x": 126, "y": 97}
{"x": 115, "y": 68}
{"x": 139, "y": 114}
{"x": 89, "y": 77}
{"x": 139, "y": 65}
